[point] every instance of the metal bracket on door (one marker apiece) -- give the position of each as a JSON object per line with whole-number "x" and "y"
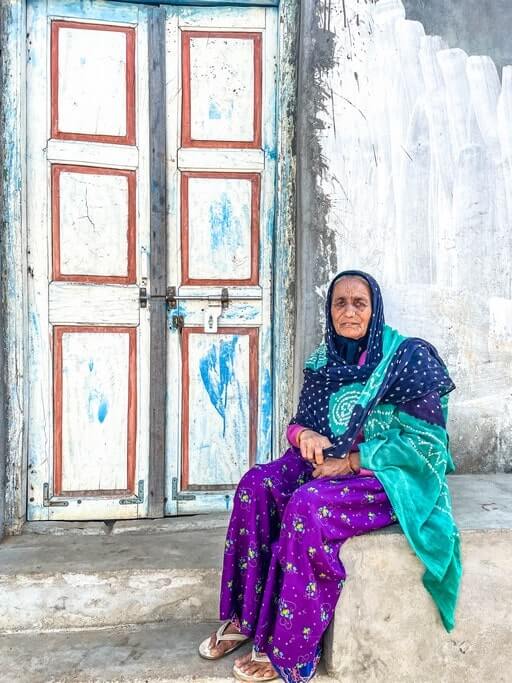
{"x": 175, "y": 495}
{"x": 144, "y": 297}
{"x": 139, "y": 498}
{"x": 47, "y": 503}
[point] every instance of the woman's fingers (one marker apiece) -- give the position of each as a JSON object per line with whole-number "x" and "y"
{"x": 311, "y": 450}
{"x": 312, "y": 447}
{"x": 305, "y": 447}
{"x": 319, "y": 454}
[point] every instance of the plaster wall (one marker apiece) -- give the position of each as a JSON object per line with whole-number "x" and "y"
{"x": 405, "y": 170}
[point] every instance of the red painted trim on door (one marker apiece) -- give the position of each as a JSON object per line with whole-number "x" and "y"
{"x": 131, "y": 450}
{"x": 186, "y": 135}
{"x": 253, "y": 333}
{"x": 129, "y": 138}
{"x": 255, "y": 180}
{"x": 131, "y": 276}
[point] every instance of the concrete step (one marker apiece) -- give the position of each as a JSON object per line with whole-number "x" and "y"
{"x": 131, "y": 654}
{"x": 132, "y": 576}
{"x": 83, "y": 575}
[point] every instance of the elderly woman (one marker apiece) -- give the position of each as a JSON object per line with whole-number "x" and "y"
{"x": 368, "y": 447}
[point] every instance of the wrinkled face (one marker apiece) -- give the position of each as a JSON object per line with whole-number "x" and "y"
{"x": 351, "y": 307}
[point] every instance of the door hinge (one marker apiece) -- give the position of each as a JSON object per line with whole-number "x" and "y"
{"x": 139, "y": 498}
{"x": 47, "y": 503}
{"x": 143, "y": 297}
{"x": 175, "y": 495}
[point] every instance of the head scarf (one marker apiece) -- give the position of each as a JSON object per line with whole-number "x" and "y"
{"x": 340, "y": 363}
{"x": 415, "y": 372}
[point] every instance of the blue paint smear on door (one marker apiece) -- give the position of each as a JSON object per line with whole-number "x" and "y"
{"x": 213, "y": 111}
{"x": 97, "y": 406}
{"x": 225, "y": 228}
{"x": 102, "y": 411}
{"x": 216, "y": 369}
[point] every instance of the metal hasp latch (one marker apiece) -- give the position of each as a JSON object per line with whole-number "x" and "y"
{"x": 214, "y": 310}
{"x": 169, "y": 297}
{"x": 180, "y": 496}
{"x": 215, "y": 306}
{"x": 172, "y": 297}
{"x": 139, "y": 498}
{"x": 47, "y": 503}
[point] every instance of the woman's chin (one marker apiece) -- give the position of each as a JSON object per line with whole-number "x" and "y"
{"x": 351, "y": 333}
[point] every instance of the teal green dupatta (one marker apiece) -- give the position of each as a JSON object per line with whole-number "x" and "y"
{"x": 411, "y": 459}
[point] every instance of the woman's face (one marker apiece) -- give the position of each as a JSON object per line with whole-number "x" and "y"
{"x": 351, "y": 307}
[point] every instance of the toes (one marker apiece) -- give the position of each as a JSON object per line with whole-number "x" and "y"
{"x": 243, "y": 662}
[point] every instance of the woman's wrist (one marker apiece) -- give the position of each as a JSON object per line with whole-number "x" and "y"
{"x": 354, "y": 469}
{"x": 299, "y": 434}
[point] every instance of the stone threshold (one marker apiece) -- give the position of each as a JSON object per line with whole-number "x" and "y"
{"x": 135, "y": 526}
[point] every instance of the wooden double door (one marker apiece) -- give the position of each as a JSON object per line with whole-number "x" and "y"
{"x": 151, "y": 172}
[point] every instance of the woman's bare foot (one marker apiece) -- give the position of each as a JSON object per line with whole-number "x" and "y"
{"x": 260, "y": 669}
{"x": 218, "y": 649}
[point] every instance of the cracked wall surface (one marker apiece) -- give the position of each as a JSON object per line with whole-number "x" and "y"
{"x": 405, "y": 170}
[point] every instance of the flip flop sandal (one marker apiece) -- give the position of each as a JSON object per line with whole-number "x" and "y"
{"x": 204, "y": 647}
{"x": 255, "y": 657}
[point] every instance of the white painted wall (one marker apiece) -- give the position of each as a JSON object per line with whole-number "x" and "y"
{"x": 416, "y": 179}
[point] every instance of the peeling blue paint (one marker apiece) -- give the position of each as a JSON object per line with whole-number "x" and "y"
{"x": 266, "y": 404}
{"x": 225, "y": 228}
{"x": 221, "y": 218}
{"x": 34, "y": 320}
{"x": 271, "y": 153}
{"x": 244, "y": 311}
{"x": 91, "y": 366}
{"x": 216, "y": 368}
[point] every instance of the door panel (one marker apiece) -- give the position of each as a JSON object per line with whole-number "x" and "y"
{"x": 220, "y": 386}
{"x": 93, "y": 82}
{"x": 221, "y": 95}
{"x": 221, "y": 177}
{"x": 95, "y": 376}
{"x": 229, "y": 203}
{"x": 88, "y": 240}
{"x": 94, "y": 224}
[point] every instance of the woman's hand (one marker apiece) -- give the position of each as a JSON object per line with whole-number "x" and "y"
{"x": 336, "y": 467}
{"x": 312, "y": 445}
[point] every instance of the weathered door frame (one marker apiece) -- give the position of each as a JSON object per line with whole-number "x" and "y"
{"x": 13, "y": 249}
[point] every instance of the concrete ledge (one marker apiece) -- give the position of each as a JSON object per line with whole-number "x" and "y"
{"x": 386, "y": 627}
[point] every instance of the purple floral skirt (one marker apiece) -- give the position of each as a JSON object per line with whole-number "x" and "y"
{"x": 282, "y": 575}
